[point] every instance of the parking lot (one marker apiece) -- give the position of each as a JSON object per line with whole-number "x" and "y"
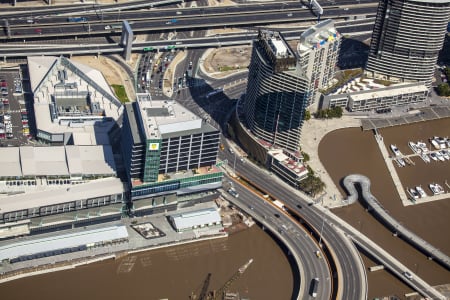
{"x": 14, "y": 116}
{"x": 418, "y": 115}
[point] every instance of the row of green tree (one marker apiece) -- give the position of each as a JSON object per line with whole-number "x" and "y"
{"x": 335, "y": 112}
{"x": 443, "y": 89}
{"x": 312, "y": 185}
{"x": 447, "y": 72}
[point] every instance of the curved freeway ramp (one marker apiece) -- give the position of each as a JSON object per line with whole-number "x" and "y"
{"x": 409, "y": 236}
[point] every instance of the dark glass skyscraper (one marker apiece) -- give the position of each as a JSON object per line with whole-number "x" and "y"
{"x": 276, "y": 92}
{"x": 406, "y": 39}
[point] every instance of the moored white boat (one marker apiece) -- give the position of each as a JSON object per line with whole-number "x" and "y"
{"x": 425, "y": 157}
{"x": 423, "y": 147}
{"x": 435, "y": 143}
{"x": 401, "y": 162}
{"x": 440, "y": 156}
{"x": 421, "y": 192}
{"x": 414, "y": 147}
{"x": 436, "y": 188}
{"x": 413, "y": 193}
{"x": 395, "y": 150}
{"x": 433, "y": 156}
{"x": 439, "y": 142}
{"x": 445, "y": 153}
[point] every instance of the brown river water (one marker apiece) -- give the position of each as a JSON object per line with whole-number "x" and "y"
{"x": 177, "y": 272}
{"x": 172, "y": 273}
{"x": 350, "y": 151}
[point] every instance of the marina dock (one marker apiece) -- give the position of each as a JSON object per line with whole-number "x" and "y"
{"x": 404, "y": 197}
{"x": 392, "y": 170}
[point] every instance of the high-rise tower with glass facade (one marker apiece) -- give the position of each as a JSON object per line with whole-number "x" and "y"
{"x": 406, "y": 40}
{"x": 277, "y": 92}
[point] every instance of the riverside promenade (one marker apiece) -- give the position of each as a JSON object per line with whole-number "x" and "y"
{"x": 313, "y": 132}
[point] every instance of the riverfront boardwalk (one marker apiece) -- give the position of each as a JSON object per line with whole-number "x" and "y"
{"x": 388, "y": 220}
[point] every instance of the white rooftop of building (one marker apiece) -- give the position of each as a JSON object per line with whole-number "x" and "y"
{"x": 196, "y": 218}
{"x": 57, "y": 161}
{"x": 278, "y": 47}
{"x": 44, "y": 79}
{"x": 43, "y": 161}
{"x": 10, "y": 162}
{"x": 294, "y": 166}
{"x": 64, "y": 241}
{"x": 276, "y": 43}
{"x": 390, "y": 91}
{"x": 92, "y": 189}
{"x": 313, "y": 36}
{"x": 90, "y": 160}
{"x": 164, "y": 117}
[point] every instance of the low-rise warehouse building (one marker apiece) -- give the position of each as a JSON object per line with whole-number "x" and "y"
{"x": 79, "y": 205}
{"x": 361, "y": 98}
{"x": 33, "y": 166}
{"x": 288, "y": 166}
{"x": 61, "y": 244}
{"x": 196, "y": 219}
{"x": 73, "y": 103}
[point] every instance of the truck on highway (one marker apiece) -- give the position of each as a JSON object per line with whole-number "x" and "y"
{"x": 173, "y": 21}
{"x": 279, "y": 204}
{"x": 314, "y": 286}
{"x": 77, "y": 19}
{"x": 233, "y": 193}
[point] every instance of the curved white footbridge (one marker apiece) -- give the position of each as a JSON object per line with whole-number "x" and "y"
{"x": 431, "y": 251}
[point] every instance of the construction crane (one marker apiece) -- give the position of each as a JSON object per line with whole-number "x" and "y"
{"x": 204, "y": 292}
{"x": 204, "y": 295}
{"x": 220, "y": 293}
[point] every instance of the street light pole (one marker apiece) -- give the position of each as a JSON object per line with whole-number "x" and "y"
{"x": 234, "y": 164}
{"x": 321, "y": 230}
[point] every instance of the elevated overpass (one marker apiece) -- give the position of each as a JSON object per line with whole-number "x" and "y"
{"x": 170, "y": 20}
{"x": 23, "y": 50}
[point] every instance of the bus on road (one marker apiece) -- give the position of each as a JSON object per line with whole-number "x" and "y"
{"x": 314, "y": 286}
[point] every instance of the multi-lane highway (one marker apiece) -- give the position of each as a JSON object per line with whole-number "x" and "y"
{"x": 21, "y": 50}
{"x": 353, "y": 280}
{"x": 336, "y": 233}
{"x": 193, "y": 18}
{"x": 298, "y": 242}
